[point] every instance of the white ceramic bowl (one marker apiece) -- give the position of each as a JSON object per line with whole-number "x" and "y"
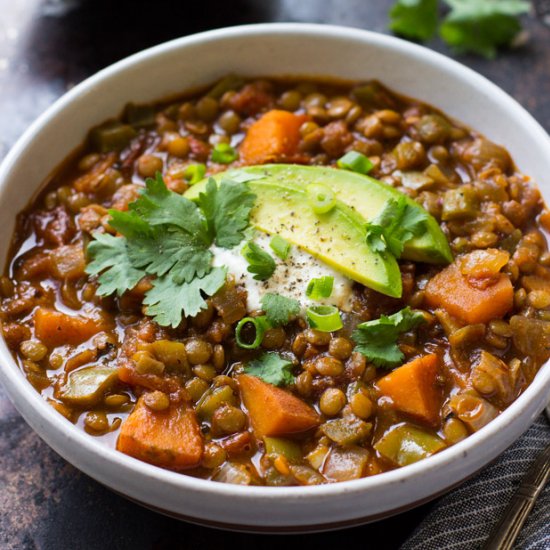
{"x": 264, "y": 50}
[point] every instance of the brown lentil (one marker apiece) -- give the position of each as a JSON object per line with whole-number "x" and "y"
{"x": 214, "y": 456}
{"x": 329, "y": 366}
{"x": 361, "y": 405}
{"x": 33, "y": 350}
{"x": 332, "y": 401}
{"x": 157, "y": 401}
{"x": 96, "y": 421}
{"x": 340, "y": 348}
{"x": 274, "y": 338}
{"x": 228, "y": 419}
{"x": 198, "y": 351}
{"x": 149, "y": 165}
{"x": 196, "y": 388}
{"x": 206, "y": 372}
{"x": 116, "y": 400}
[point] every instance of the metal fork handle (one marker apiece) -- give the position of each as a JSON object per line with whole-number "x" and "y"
{"x": 506, "y": 530}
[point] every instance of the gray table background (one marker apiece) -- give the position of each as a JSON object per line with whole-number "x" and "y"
{"x": 45, "y": 48}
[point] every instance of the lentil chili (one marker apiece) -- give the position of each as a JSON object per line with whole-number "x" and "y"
{"x": 185, "y": 398}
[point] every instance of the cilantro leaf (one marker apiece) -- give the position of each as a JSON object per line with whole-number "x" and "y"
{"x": 129, "y": 224}
{"x": 157, "y": 205}
{"x": 397, "y": 224}
{"x": 166, "y": 236}
{"x": 279, "y": 310}
{"x": 169, "y": 302}
{"x": 281, "y": 247}
{"x": 416, "y": 19}
{"x": 110, "y": 261}
{"x": 227, "y": 210}
{"x": 271, "y": 368}
{"x": 167, "y": 249}
{"x": 481, "y": 27}
{"x": 377, "y": 339}
{"x": 260, "y": 262}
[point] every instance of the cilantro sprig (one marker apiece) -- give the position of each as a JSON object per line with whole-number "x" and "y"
{"x": 416, "y": 19}
{"x": 476, "y": 26}
{"x": 279, "y": 310}
{"x": 271, "y": 368}
{"x": 226, "y": 209}
{"x": 260, "y": 263}
{"x": 482, "y": 27}
{"x": 377, "y": 339}
{"x": 166, "y": 236}
{"x": 397, "y": 223}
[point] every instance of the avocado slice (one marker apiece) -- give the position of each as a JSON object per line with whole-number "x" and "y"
{"x": 337, "y": 238}
{"x": 366, "y": 195}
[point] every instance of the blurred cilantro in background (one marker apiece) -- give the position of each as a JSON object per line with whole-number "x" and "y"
{"x": 468, "y": 26}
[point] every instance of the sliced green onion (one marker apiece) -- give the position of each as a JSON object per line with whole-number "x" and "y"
{"x": 194, "y": 173}
{"x": 280, "y": 246}
{"x": 320, "y": 288}
{"x": 224, "y": 153}
{"x": 320, "y": 198}
{"x": 324, "y": 318}
{"x": 355, "y": 162}
{"x": 256, "y": 327}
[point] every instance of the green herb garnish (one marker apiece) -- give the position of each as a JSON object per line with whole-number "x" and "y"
{"x": 280, "y": 246}
{"x": 416, "y": 19}
{"x": 279, "y": 309}
{"x": 194, "y": 173}
{"x": 250, "y": 331}
{"x": 259, "y": 261}
{"x": 110, "y": 256}
{"x": 377, "y": 339}
{"x": 167, "y": 236}
{"x": 271, "y": 368}
{"x": 320, "y": 197}
{"x": 324, "y": 318}
{"x": 224, "y": 153}
{"x": 482, "y": 26}
{"x": 397, "y": 224}
{"x": 169, "y": 302}
{"x": 227, "y": 210}
{"x": 355, "y": 162}
{"x": 477, "y": 26}
{"x": 320, "y": 288}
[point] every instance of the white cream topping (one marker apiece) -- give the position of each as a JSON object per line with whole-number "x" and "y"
{"x": 290, "y": 278}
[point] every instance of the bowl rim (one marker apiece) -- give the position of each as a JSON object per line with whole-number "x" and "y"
{"x": 17, "y": 383}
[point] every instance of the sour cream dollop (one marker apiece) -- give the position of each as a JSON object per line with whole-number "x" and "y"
{"x": 290, "y": 278}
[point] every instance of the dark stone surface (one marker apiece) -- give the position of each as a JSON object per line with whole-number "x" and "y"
{"x": 45, "y": 48}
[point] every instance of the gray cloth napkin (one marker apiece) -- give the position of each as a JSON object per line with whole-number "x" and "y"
{"x": 463, "y": 519}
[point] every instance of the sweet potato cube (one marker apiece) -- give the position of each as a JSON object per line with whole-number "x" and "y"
{"x": 54, "y": 328}
{"x": 452, "y": 291}
{"x": 275, "y": 135}
{"x": 413, "y": 388}
{"x": 274, "y": 411}
{"x": 170, "y": 439}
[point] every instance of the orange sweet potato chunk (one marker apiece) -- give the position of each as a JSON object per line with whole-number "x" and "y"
{"x": 170, "y": 439}
{"x": 274, "y": 411}
{"x": 452, "y": 291}
{"x": 413, "y": 389}
{"x": 276, "y": 134}
{"x": 54, "y": 328}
